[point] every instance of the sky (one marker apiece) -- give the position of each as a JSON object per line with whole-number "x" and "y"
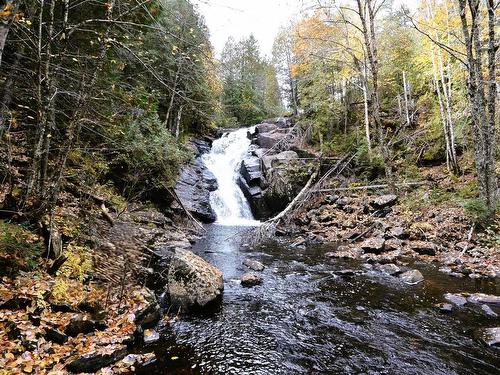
{"x": 262, "y": 18}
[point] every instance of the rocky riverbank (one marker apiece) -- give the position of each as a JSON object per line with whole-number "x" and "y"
{"x": 386, "y": 228}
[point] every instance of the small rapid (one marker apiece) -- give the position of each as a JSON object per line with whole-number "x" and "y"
{"x": 223, "y": 160}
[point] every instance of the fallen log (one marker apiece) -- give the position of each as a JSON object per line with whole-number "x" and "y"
{"x": 370, "y": 187}
{"x": 276, "y": 219}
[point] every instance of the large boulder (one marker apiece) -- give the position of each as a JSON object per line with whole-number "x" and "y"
{"x": 251, "y": 171}
{"x": 265, "y": 128}
{"x": 193, "y": 189}
{"x": 192, "y": 282}
{"x": 269, "y": 140}
{"x": 270, "y": 161}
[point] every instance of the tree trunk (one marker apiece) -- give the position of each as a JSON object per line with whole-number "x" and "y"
{"x": 9, "y": 11}
{"x": 482, "y": 123}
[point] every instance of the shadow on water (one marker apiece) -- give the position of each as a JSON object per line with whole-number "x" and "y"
{"x": 304, "y": 319}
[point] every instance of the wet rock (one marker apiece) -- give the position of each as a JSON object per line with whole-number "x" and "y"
{"x": 384, "y": 201}
{"x": 55, "y": 335}
{"x": 254, "y": 265}
{"x": 423, "y": 247}
{"x": 373, "y": 245}
{"x": 251, "y": 171}
{"x": 411, "y": 277}
{"x": 149, "y": 316}
{"x": 482, "y": 298}
{"x": 455, "y": 298}
{"x": 192, "y": 282}
{"x": 193, "y": 189}
{"x": 488, "y": 311}
{"x": 390, "y": 269}
{"x": 80, "y": 324}
{"x": 344, "y": 252}
{"x": 491, "y": 336}
{"x": 445, "y": 308}
{"x": 93, "y": 361}
{"x": 250, "y": 279}
{"x": 151, "y": 336}
{"x": 347, "y": 273}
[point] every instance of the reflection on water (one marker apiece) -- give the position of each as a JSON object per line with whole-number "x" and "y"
{"x": 306, "y": 320}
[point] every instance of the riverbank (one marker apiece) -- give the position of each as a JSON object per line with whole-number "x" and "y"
{"x": 426, "y": 223}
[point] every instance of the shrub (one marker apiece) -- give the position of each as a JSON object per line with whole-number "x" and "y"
{"x": 20, "y": 250}
{"x": 149, "y": 158}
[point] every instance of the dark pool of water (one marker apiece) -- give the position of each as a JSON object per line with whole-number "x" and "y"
{"x": 305, "y": 320}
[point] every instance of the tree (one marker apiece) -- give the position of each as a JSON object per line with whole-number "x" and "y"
{"x": 482, "y": 97}
{"x": 250, "y": 88}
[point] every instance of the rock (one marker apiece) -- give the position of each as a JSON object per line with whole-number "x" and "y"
{"x": 265, "y": 128}
{"x": 482, "y": 298}
{"x": 393, "y": 244}
{"x": 455, "y": 298}
{"x": 491, "y": 336}
{"x": 149, "y": 316}
{"x": 80, "y": 324}
{"x": 15, "y": 303}
{"x": 251, "y": 171}
{"x": 254, "y": 265}
{"x": 384, "y": 201}
{"x": 283, "y": 122}
{"x": 92, "y": 307}
{"x": 488, "y": 311}
{"x": 55, "y": 335}
{"x": 270, "y": 161}
{"x": 411, "y": 277}
{"x": 347, "y": 273}
{"x": 250, "y": 279}
{"x": 423, "y": 247}
{"x": 344, "y": 252}
{"x": 330, "y": 199}
{"x": 398, "y": 232}
{"x": 61, "y": 307}
{"x": 93, "y": 361}
{"x": 269, "y": 140}
{"x": 193, "y": 189}
{"x": 445, "y": 308}
{"x": 151, "y": 336}
{"x": 373, "y": 245}
{"x": 390, "y": 269}
{"x": 192, "y": 282}
{"x": 299, "y": 242}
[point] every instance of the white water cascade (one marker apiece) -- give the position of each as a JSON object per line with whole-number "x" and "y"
{"x": 223, "y": 160}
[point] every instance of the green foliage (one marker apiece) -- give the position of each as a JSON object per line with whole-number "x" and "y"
{"x": 19, "y": 249}
{"x": 250, "y": 90}
{"x": 78, "y": 264}
{"x": 149, "y": 159}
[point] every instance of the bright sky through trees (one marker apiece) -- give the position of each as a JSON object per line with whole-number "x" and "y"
{"x": 262, "y": 18}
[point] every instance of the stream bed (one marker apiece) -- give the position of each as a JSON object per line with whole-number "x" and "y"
{"x": 305, "y": 319}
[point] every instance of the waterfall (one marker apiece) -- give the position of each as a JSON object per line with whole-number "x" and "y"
{"x": 224, "y": 160}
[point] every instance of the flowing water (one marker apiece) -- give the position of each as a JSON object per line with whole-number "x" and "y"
{"x": 224, "y": 160}
{"x": 305, "y": 319}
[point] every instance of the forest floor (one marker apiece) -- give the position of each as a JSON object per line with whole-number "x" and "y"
{"x": 89, "y": 315}
{"x": 427, "y": 222}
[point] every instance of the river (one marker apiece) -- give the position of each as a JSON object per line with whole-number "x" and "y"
{"x": 307, "y": 319}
